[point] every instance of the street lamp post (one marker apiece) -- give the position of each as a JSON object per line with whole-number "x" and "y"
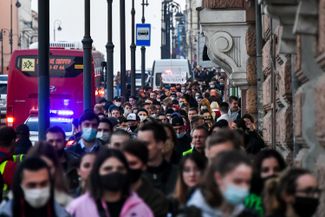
{"x": 133, "y": 48}
{"x": 87, "y": 46}
{"x": 2, "y": 53}
{"x": 143, "y": 48}
{"x": 43, "y": 68}
{"x": 10, "y": 32}
{"x": 54, "y": 27}
{"x": 109, "y": 52}
{"x": 122, "y": 44}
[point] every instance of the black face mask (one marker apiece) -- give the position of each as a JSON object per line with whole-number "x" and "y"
{"x": 134, "y": 175}
{"x": 305, "y": 206}
{"x": 114, "y": 182}
{"x": 133, "y": 128}
{"x": 60, "y": 153}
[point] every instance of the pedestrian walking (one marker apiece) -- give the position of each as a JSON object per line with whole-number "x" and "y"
{"x": 88, "y": 124}
{"x": 267, "y": 164}
{"x": 84, "y": 168}
{"x": 159, "y": 172}
{"x": 7, "y": 163}
{"x": 32, "y": 192}
{"x": 48, "y": 154}
{"x": 137, "y": 154}
{"x": 295, "y": 194}
{"x": 109, "y": 190}
{"x": 191, "y": 170}
{"x": 225, "y": 186}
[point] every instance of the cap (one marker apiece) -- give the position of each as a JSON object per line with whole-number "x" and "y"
{"x": 170, "y": 111}
{"x": 113, "y": 121}
{"x": 132, "y": 117}
{"x": 177, "y": 121}
{"x": 113, "y": 107}
{"x": 117, "y": 98}
{"x": 121, "y": 119}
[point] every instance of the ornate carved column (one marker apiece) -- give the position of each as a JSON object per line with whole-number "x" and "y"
{"x": 225, "y": 32}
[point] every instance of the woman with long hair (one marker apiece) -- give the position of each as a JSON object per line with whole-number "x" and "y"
{"x": 268, "y": 164}
{"x": 168, "y": 149}
{"x": 85, "y": 165}
{"x": 225, "y": 186}
{"x": 253, "y": 140}
{"x": 294, "y": 194}
{"x": 205, "y": 105}
{"x": 109, "y": 190}
{"x": 46, "y": 152}
{"x": 191, "y": 168}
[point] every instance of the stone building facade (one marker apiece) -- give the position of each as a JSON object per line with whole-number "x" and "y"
{"x": 192, "y": 29}
{"x": 5, "y": 55}
{"x": 27, "y": 24}
{"x": 230, "y": 38}
{"x": 284, "y": 86}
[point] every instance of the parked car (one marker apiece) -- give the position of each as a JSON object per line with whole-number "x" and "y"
{"x": 61, "y": 119}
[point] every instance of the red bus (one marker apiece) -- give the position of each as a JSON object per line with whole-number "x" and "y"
{"x": 66, "y": 83}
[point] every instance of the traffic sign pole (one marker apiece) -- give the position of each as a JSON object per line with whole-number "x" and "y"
{"x": 143, "y": 39}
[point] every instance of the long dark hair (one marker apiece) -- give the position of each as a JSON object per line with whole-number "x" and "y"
{"x": 223, "y": 163}
{"x": 276, "y": 188}
{"x": 95, "y": 189}
{"x": 257, "y": 184}
{"x": 181, "y": 190}
{"x": 47, "y": 150}
{"x": 19, "y": 204}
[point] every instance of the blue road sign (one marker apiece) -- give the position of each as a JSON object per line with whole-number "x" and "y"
{"x": 143, "y": 34}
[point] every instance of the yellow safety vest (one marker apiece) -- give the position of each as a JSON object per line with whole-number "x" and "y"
{"x": 18, "y": 158}
{"x": 2, "y": 170}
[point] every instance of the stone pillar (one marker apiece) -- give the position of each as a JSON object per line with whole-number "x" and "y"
{"x": 228, "y": 26}
{"x": 266, "y": 63}
{"x": 251, "y": 94}
{"x": 279, "y": 45}
{"x": 319, "y": 97}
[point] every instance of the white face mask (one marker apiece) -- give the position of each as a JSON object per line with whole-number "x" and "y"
{"x": 142, "y": 117}
{"x": 104, "y": 136}
{"x": 127, "y": 111}
{"x": 203, "y": 108}
{"x": 37, "y": 197}
{"x": 118, "y": 104}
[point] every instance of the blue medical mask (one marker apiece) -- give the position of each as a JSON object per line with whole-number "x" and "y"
{"x": 89, "y": 133}
{"x": 234, "y": 194}
{"x": 180, "y": 135}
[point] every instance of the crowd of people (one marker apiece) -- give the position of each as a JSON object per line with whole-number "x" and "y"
{"x": 178, "y": 151}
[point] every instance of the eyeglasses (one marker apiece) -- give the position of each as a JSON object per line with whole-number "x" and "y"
{"x": 312, "y": 192}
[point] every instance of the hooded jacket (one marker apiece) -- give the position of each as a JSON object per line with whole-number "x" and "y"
{"x": 85, "y": 206}
{"x": 199, "y": 201}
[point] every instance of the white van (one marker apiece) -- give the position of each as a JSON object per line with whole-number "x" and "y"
{"x": 171, "y": 71}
